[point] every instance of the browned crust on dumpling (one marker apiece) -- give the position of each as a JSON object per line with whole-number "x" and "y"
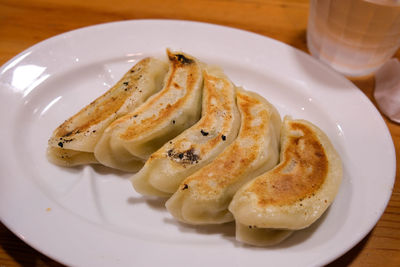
{"x": 204, "y": 197}
{"x": 178, "y": 61}
{"x": 224, "y": 102}
{"x": 104, "y": 106}
{"x": 198, "y": 145}
{"x": 301, "y": 173}
{"x": 297, "y": 192}
{"x": 225, "y": 171}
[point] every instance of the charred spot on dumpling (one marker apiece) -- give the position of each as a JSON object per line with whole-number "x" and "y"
{"x": 183, "y": 59}
{"x": 204, "y": 133}
{"x": 63, "y": 141}
{"x": 185, "y": 186}
{"x": 180, "y": 59}
{"x": 185, "y": 157}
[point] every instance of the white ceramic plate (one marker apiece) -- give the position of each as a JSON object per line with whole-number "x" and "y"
{"x": 91, "y": 216}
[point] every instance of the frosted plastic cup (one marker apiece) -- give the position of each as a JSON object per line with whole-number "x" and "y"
{"x": 354, "y": 37}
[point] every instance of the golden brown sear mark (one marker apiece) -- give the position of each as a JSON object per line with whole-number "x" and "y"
{"x": 301, "y": 173}
{"x": 104, "y": 105}
{"x": 145, "y": 124}
{"x": 226, "y": 172}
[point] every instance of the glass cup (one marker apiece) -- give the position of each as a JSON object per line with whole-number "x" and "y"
{"x": 354, "y": 37}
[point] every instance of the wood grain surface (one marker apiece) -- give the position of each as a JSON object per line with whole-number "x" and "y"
{"x": 24, "y": 23}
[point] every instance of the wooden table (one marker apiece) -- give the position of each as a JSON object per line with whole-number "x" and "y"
{"x": 24, "y": 23}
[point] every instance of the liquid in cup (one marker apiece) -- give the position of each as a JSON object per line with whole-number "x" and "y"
{"x": 355, "y": 37}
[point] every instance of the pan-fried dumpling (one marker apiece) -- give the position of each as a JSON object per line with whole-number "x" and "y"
{"x": 295, "y": 193}
{"x": 203, "y": 197}
{"x": 198, "y": 145}
{"x": 73, "y": 142}
{"x": 131, "y": 139}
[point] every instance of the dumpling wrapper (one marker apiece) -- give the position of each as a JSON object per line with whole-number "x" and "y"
{"x": 295, "y": 193}
{"x": 260, "y": 236}
{"x": 131, "y": 139}
{"x": 196, "y": 146}
{"x": 73, "y": 142}
{"x": 204, "y": 197}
